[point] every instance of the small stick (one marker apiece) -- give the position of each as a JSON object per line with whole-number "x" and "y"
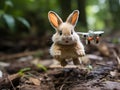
{"x": 61, "y": 88}
{"x": 11, "y": 83}
{"x": 117, "y": 57}
{"x": 18, "y": 55}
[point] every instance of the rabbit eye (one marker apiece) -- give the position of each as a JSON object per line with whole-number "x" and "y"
{"x": 71, "y": 32}
{"x": 60, "y": 32}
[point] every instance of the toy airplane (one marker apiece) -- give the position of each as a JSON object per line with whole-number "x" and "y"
{"x": 91, "y": 35}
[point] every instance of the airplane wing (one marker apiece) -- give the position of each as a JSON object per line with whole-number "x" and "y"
{"x": 98, "y": 32}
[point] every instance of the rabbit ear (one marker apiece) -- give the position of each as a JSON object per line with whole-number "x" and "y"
{"x": 54, "y": 19}
{"x": 73, "y": 17}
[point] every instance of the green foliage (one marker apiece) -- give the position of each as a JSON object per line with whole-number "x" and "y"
{"x": 98, "y": 14}
{"x": 92, "y": 2}
{"x": 23, "y": 21}
{"x": 14, "y": 15}
{"x": 42, "y": 67}
{"x": 89, "y": 67}
{"x": 114, "y": 6}
{"x": 8, "y": 19}
{"x": 21, "y": 72}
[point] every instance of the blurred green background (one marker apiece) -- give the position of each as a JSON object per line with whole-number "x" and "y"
{"x": 20, "y": 19}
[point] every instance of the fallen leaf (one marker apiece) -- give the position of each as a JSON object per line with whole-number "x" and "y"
{"x": 94, "y": 57}
{"x": 35, "y": 81}
{"x": 114, "y": 73}
{"x": 103, "y": 48}
{"x": 1, "y": 74}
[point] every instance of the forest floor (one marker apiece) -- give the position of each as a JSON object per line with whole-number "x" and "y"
{"x": 35, "y": 69}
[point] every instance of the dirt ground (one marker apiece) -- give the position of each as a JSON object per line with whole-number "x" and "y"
{"x": 36, "y": 70}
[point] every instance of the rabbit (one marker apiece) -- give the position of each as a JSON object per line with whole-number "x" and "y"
{"x": 66, "y": 42}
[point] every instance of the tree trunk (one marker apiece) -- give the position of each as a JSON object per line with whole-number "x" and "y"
{"x": 114, "y": 6}
{"x": 65, "y": 8}
{"x": 82, "y": 16}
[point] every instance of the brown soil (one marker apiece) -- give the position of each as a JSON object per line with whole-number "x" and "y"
{"x": 26, "y": 75}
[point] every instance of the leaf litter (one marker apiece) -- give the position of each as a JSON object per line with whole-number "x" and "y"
{"x": 100, "y": 71}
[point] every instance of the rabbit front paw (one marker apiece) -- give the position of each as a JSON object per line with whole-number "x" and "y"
{"x": 57, "y": 54}
{"x": 81, "y": 52}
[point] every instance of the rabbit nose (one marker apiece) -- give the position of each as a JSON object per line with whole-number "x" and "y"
{"x": 69, "y": 38}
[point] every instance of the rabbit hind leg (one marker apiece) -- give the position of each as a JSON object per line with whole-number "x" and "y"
{"x": 63, "y": 62}
{"x": 76, "y": 61}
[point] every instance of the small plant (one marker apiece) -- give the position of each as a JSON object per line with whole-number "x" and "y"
{"x": 42, "y": 67}
{"x": 21, "y": 72}
{"x": 89, "y": 67}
